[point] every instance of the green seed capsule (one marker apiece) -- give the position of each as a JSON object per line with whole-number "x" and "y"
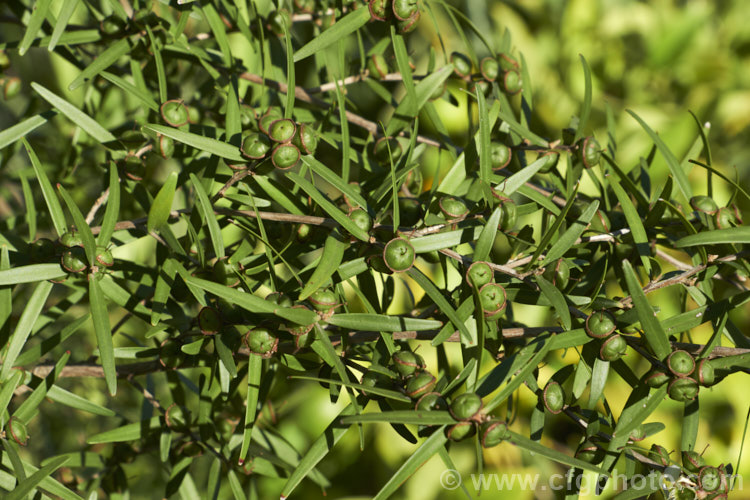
{"x": 710, "y": 478}
{"x": 361, "y": 219}
{"x": 452, "y": 207}
{"x": 588, "y": 451}
{"x": 558, "y": 274}
{"x": 590, "y": 152}
{"x": 271, "y": 115}
{"x": 705, "y": 373}
{"x": 680, "y": 363}
{"x": 164, "y": 146}
{"x": 500, "y": 155}
{"x": 177, "y": 418}
{"x": 659, "y": 454}
{"x": 377, "y": 66}
{"x": 174, "y": 113}
{"x": 493, "y": 432}
{"x": 407, "y": 363}
{"x": 285, "y": 156}
{"x": 490, "y": 68}
{"x": 209, "y": 321}
{"x": 550, "y": 161}
{"x": 17, "y": 431}
{"x": 704, "y": 204}
{"x": 404, "y": 9}
{"x": 493, "y": 299}
{"x": 280, "y": 299}
{"x": 507, "y": 62}
{"x": 255, "y": 146}
{"x": 306, "y": 139}
{"x": 410, "y": 24}
{"x": 261, "y": 342}
{"x": 600, "y": 324}
{"x": 420, "y": 384}
{"x": 466, "y": 406}
{"x": 399, "y": 255}
{"x": 508, "y": 213}
{"x": 11, "y": 87}
{"x": 380, "y": 10}
{"x": 656, "y": 378}
{"x": 692, "y": 461}
{"x": 387, "y": 149}
{"x": 298, "y": 330}
{"x": 73, "y": 260}
{"x": 683, "y": 389}
{"x": 373, "y": 378}
{"x": 282, "y": 130}
{"x": 479, "y": 274}
{"x": 461, "y": 64}
{"x": 553, "y": 397}
{"x": 726, "y": 218}
{"x": 104, "y": 256}
{"x": 71, "y": 239}
{"x": 613, "y": 348}
{"x": 323, "y": 300}
{"x": 512, "y": 82}
{"x": 432, "y": 401}
{"x": 461, "y": 431}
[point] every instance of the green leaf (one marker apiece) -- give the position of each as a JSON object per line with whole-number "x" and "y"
{"x": 571, "y": 235}
{"x": 113, "y": 207}
{"x": 336, "y": 33}
{"x": 30, "y": 405}
{"x": 67, "y": 398}
{"x": 557, "y": 299}
{"x": 333, "y": 179}
{"x": 640, "y": 238}
{"x": 200, "y": 142}
{"x": 423, "y": 91}
{"x": 31, "y": 274}
{"x": 127, "y": 432}
{"x": 735, "y": 235}
{"x": 24, "y": 487}
{"x": 513, "y": 183}
{"x": 252, "y": 303}
{"x": 402, "y": 62}
{"x": 380, "y": 323}
{"x": 586, "y": 106}
{"x": 558, "y": 456}
{"x": 674, "y": 165}
{"x": 38, "y": 13}
{"x": 426, "y": 450}
{"x": 84, "y": 231}
{"x": 8, "y": 388}
{"x": 75, "y": 115}
{"x": 485, "y": 167}
{"x": 100, "y": 318}
{"x": 448, "y": 239}
{"x": 652, "y": 328}
{"x": 329, "y": 207}
{"x": 487, "y": 236}
{"x": 19, "y": 130}
{"x": 402, "y": 417}
{"x": 378, "y": 391}
{"x": 53, "y": 204}
{"x": 329, "y": 263}
{"x": 30, "y": 313}
{"x": 66, "y": 12}
{"x": 102, "y": 62}
{"x": 160, "y": 209}
{"x": 207, "y": 211}
{"x": 599, "y": 374}
{"x": 131, "y": 89}
{"x": 254, "y": 372}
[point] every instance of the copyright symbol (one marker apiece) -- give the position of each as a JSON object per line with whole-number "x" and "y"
{"x": 450, "y": 479}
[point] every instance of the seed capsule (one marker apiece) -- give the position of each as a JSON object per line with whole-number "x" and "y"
{"x": 73, "y": 260}
{"x": 285, "y": 156}
{"x": 452, "y": 207}
{"x": 600, "y": 324}
{"x": 306, "y": 139}
{"x": 512, "y": 82}
{"x": 404, "y": 9}
{"x": 209, "y": 321}
{"x": 399, "y": 255}
{"x": 613, "y": 348}
{"x": 410, "y": 24}
{"x": 705, "y": 371}
{"x": 461, "y": 431}
{"x": 710, "y": 478}
{"x": 104, "y": 256}
{"x": 432, "y": 401}
{"x": 420, "y": 384}
{"x": 177, "y": 417}
{"x": 493, "y": 299}
{"x": 590, "y": 152}
{"x": 500, "y": 155}
{"x": 704, "y": 204}
{"x": 373, "y": 378}
{"x": 17, "y": 431}
{"x": 255, "y": 146}
{"x": 11, "y": 87}
{"x": 362, "y": 219}
{"x": 692, "y": 461}
{"x": 323, "y": 300}
{"x": 493, "y": 432}
{"x": 384, "y": 146}
{"x": 377, "y": 66}
{"x": 466, "y": 406}
{"x": 380, "y": 10}
{"x": 164, "y": 146}
{"x": 553, "y": 397}
{"x": 490, "y": 68}
{"x": 508, "y": 213}
{"x": 680, "y": 363}
{"x": 656, "y": 378}
{"x": 282, "y": 130}
{"x": 261, "y": 342}
{"x": 407, "y": 363}
{"x": 588, "y": 451}
{"x": 461, "y": 65}
{"x": 683, "y": 389}
{"x": 550, "y": 161}
{"x": 659, "y": 454}
{"x": 479, "y": 274}
{"x": 271, "y": 115}
{"x": 174, "y": 112}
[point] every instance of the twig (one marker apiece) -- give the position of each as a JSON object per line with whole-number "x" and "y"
{"x": 238, "y": 176}
{"x": 97, "y": 204}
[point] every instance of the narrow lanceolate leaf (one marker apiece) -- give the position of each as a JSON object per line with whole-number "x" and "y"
{"x": 487, "y": 237}
{"x": 50, "y": 197}
{"x": 334, "y": 179}
{"x": 317, "y": 451}
{"x": 199, "y": 142}
{"x": 674, "y": 165}
{"x": 571, "y": 235}
{"x": 636, "y": 225}
{"x": 402, "y": 417}
{"x": 25, "y": 487}
{"x": 103, "y": 332}
{"x": 208, "y": 216}
{"x": 26, "y": 410}
{"x": 75, "y": 115}
{"x": 485, "y": 167}
{"x": 66, "y": 12}
{"x": 25, "y": 323}
{"x": 330, "y": 261}
{"x": 84, "y": 231}
{"x": 252, "y": 303}
{"x": 423, "y": 91}
{"x": 102, "y": 62}
{"x": 558, "y": 456}
{"x": 131, "y": 89}
{"x": 443, "y": 305}
{"x": 379, "y": 323}
{"x": 7, "y": 389}
{"x": 557, "y": 299}
{"x": 652, "y": 328}
{"x": 737, "y": 235}
{"x": 402, "y": 62}
{"x": 254, "y": 371}
{"x": 128, "y": 432}
{"x": 513, "y": 183}
{"x": 377, "y": 391}
{"x": 19, "y": 130}
{"x": 113, "y": 207}
{"x": 31, "y": 274}
{"x": 329, "y": 207}
{"x": 426, "y": 450}
{"x": 586, "y": 107}
{"x": 336, "y": 33}
{"x": 162, "y": 205}
{"x": 38, "y": 13}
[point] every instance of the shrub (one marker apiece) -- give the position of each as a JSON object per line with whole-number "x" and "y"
{"x": 244, "y": 192}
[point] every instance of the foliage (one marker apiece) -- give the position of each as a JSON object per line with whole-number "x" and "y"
{"x": 243, "y": 202}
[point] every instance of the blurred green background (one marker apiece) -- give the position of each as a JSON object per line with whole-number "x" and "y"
{"x": 659, "y": 58}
